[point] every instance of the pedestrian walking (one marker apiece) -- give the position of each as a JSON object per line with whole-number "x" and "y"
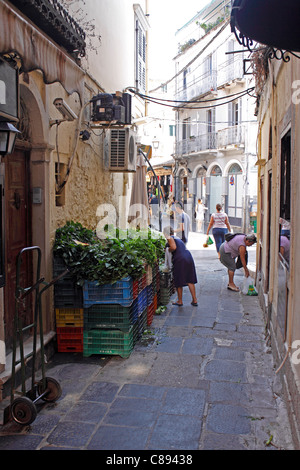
{"x": 220, "y": 224}
{"x": 184, "y": 271}
{"x": 183, "y": 223}
{"x": 200, "y": 210}
{"x": 232, "y": 249}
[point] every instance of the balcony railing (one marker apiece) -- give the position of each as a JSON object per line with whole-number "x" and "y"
{"x": 234, "y": 135}
{"x": 54, "y": 20}
{"x": 231, "y": 136}
{"x": 230, "y": 70}
{"x": 197, "y": 144}
{"x": 203, "y": 84}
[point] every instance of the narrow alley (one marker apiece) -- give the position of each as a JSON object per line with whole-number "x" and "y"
{"x": 201, "y": 378}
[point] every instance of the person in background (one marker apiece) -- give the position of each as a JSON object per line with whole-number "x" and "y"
{"x": 184, "y": 223}
{"x": 200, "y": 209}
{"x": 285, "y": 247}
{"x": 229, "y": 251}
{"x": 154, "y": 206}
{"x": 184, "y": 271}
{"x": 220, "y": 223}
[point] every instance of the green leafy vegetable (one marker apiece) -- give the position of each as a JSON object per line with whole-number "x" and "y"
{"x": 109, "y": 260}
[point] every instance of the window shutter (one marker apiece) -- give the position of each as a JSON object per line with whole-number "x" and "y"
{"x": 141, "y": 57}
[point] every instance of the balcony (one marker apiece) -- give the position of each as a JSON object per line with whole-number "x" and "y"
{"x": 55, "y": 21}
{"x": 234, "y": 135}
{"x": 231, "y": 70}
{"x": 201, "y": 143}
{"x": 213, "y": 141}
{"x": 197, "y": 87}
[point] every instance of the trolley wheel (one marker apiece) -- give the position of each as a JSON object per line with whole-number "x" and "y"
{"x": 23, "y": 410}
{"x": 53, "y": 387}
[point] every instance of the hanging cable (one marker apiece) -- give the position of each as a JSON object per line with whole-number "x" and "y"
{"x": 146, "y": 97}
{"x": 152, "y": 100}
{"x": 194, "y": 58}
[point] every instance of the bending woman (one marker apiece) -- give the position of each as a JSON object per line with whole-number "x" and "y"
{"x": 184, "y": 271}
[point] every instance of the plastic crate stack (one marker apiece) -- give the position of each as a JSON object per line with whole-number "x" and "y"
{"x": 115, "y": 316}
{"x": 68, "y": 303}
{"x": 152, "y": 291}
{"x": 107, "y": 319}
{"x": 166, "y": 287}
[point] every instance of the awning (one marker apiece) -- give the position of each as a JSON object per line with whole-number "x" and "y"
{"x": 274, "y": 23}
{"x": 38, "y": 52}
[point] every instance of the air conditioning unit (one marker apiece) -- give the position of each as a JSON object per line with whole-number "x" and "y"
{"x": 121, "y": 150}
{"x": 112, "y": 108}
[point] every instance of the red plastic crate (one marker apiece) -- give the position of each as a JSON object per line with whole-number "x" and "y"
{"x": 135, "y": 289}
{"x": 69, "y": 339}
{"x": 142, "y": 282}
{"x": 150, "y": 314}
{"x": 155, "y": 303}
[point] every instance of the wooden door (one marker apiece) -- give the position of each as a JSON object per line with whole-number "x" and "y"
{"x": 17, "y": 237}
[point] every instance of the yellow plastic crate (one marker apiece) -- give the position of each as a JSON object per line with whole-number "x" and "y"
{"x": 69, "y": 317}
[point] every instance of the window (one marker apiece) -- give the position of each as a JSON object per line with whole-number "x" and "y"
{"x": 140, "y": 57}
{"x": 210, "y": 119}
{"x": 234, "y": 112}
{"x": 186, "y": 126}
{"x": 185, "y": 72}
{"x": 172, "y": 130}
{"x": 285, "y": 179}
{"x": 270, "y": 142}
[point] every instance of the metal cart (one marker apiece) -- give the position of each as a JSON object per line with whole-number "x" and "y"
{"x": 23, "y": 408}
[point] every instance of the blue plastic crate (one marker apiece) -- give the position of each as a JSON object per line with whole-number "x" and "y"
{"x": 121, "y": 292}
{"x": 140, "y": 302}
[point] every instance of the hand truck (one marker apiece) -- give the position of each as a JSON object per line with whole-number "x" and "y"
{"x": 23, "y": 409}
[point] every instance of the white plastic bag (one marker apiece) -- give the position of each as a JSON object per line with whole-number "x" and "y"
{"x": 248, "y": 286}
{"x": 247, "y": 281}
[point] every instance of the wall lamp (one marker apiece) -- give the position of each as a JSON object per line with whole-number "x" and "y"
{"x": 155, "y": 144}
{"x": 8, "y": 134}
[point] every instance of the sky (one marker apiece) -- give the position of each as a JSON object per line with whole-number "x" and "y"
{"x": 166, "y": 17}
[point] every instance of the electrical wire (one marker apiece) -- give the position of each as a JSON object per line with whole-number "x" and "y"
{"x": 191, "y": 101}
{"x": 196, "y": 56}
{"x": 153, "y": 100}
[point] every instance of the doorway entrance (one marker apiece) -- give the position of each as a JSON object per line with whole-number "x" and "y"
{"x": 17, "y": 237}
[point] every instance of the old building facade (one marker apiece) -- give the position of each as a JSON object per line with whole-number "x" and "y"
{"x": 216, "y": 128}
{"x": 60, "y": 169}
{"x": 276, "y": 66}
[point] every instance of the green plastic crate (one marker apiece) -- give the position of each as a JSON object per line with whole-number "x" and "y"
{"x": 109, "y": 316}
{"x": 108, "y": 342}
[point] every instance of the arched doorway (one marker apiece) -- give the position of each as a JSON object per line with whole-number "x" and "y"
{"x": 215, "y": 188}
{"x": 17, "y": 226}
{"x": 201, "y": 185}
{"x": 235, "y": 195}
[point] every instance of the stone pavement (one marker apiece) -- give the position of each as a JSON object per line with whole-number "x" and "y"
{"x": 200, "y": 378}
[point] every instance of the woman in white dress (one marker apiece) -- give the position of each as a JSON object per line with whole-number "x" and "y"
{"x": 200, "y": 209}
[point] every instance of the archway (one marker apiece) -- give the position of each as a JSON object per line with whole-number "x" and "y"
{"x": 215, "y": 188}
{"x": 19, "y": 208}
{"x": 201, "y": 184}
{"x": 235, "y": 195}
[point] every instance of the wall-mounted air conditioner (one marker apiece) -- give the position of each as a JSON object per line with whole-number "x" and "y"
{"x": 111, "y": 108}
{"x": 120, "y": 150}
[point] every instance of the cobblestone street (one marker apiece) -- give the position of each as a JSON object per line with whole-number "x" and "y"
{"x": 201, "y": 378}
